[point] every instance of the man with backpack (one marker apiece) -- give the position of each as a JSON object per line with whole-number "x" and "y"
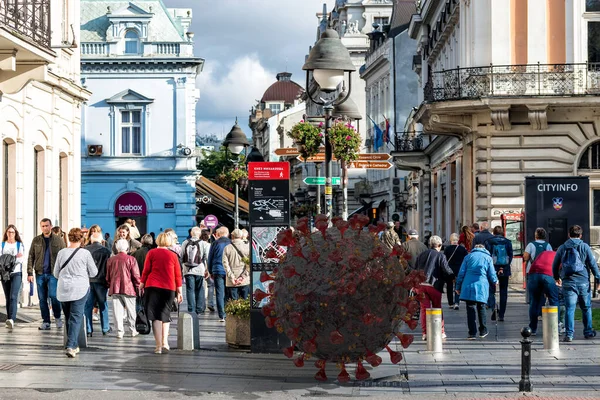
{"x": 540, "y": 257}
{"x": 195, "y": 255}
{"x": 501, "y": 250}
{"x": 571, "y": 268}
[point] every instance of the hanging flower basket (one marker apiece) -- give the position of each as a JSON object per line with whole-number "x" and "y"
{"x": 345, "y": 141}
{"x": 307, "y": 138}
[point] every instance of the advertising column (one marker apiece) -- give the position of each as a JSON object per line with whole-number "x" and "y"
{"x": 269, "y": 198}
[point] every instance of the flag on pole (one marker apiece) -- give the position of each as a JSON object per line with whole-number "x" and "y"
{"x": 377, "y": 136}
{"x": 386, "y": 133}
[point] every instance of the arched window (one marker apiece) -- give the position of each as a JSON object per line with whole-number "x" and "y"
{"x": 591, "y": 157}
{"x": 131, "y": 42}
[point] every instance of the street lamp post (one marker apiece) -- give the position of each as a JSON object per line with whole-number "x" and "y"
{"x": 328, "y": 61}
{"x": 236, "y": 142}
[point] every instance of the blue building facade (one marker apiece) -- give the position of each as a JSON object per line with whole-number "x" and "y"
{"x": 138, "y": 128}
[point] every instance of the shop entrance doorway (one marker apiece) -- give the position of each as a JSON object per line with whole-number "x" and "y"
{"x": 131, "y": 205}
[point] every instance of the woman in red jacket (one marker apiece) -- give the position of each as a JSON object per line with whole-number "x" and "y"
{"x": 161, "y": 282}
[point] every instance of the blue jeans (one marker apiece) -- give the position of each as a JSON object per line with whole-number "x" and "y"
{"x": 476, "y": 310}
{"x": 220, "y": 292}
{"x": 578, "y": 293}
{"x": 46, "y": 286}
{"x": 11, "y": 294}
{"x": 237, "y": 292}
{"x": 194, "y": 293}
{"x": 210, "y": 285}
{"x": 74, "y": 319}
{"x": 538, "y": 286}
{"x": 503, "y": 283}
{"x": 98, "y": 293}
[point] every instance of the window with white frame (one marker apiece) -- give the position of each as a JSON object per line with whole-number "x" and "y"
{"x": 131, "y": 132}
{"x": 275, "y": 108}
{"x": 132, "y": 42}
{"x": 381, "y": 21}
{"x": 592, "y": 18}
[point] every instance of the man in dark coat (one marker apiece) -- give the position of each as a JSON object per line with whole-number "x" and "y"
{"x": 98, "y": 285}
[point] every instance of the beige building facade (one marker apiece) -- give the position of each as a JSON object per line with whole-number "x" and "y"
{"x": 508, "y": 89}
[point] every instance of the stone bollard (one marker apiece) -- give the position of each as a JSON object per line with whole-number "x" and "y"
{"x": 550, "y": 327}
{"x": 434, "y": 329}
{"x": 82, "y": 340}
{"x": 525, "y": 384}
{"x": 188, "y": 333}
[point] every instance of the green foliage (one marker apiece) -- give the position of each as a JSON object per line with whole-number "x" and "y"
{"x": 213, "y": 163}
{"x": 240, "y": 308}
{"x": 595, "y": 317}
{"x": 345, "y": 141}
{"x": 308, "y": 136}
{"x": 230, "y": 176}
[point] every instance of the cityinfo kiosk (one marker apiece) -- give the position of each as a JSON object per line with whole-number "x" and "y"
{"x": 555, "y": 204}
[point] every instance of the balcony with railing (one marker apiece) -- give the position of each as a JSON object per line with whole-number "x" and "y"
{"x": 405, "y": 143}
{"x": 27, "y": 19}
{"x": 514, "y": 81}
{"x": 409, "y": 150}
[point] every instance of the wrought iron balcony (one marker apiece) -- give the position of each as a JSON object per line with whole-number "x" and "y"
{"x": 406, "y": 143}
{"x": 29, "y": 19}
{"x": 514, "y": 81}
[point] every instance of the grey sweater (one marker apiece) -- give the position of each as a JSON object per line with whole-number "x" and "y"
{"x": 74, "y": 278}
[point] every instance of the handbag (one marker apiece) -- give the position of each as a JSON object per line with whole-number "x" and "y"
{"x": 142, "y": 325}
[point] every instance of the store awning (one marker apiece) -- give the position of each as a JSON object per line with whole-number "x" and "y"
{"x": 218, "y": 196}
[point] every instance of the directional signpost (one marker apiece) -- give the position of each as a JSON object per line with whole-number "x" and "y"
{"x": 365, "y": 160}
{"x": 371, "y": 164}
{"x": 320, "y": 180}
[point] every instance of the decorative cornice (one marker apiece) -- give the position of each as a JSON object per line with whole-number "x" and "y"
{"x": 138, "y": 66}
{"x": 501, "y": 117}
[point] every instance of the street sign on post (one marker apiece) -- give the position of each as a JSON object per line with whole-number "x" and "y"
{"x": 371, "y": 164}
{"x": 320, "y": 180}
{"x": 374, "y": 157}
{"x": 287, "y": 151}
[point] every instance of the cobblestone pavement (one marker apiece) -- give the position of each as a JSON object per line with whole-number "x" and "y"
{"x": 127, "y": 368}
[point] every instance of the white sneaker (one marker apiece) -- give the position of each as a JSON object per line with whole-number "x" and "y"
{"x": 561, "y": 328}
{"x": 119, "y": 336}
{"x": 444, "y": 336}
{"x": 95, "y": 317}
{"x": 59, "y": 323}
{"x": 10, "y": 323}
{"x": 134, "y": 334}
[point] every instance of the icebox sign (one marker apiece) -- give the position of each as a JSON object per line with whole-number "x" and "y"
{"x": 555, "y": 204}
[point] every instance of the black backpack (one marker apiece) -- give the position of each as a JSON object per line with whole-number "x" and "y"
{"x": 7, "y": 264}
{"x": 196, "y": 256}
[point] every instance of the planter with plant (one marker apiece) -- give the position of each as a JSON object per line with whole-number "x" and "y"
{"x": 307, "y": 137}
{"x": 237, "y": 324}
{"x": 228, "y": 178}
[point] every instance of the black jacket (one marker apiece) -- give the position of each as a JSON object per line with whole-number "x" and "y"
{"x": 100, "y": 254}
{"x": 435, "y": 266}
{"x": 140, "y": 256}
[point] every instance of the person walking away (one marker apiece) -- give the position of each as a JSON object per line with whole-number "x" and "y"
{"x": 123, "y": 233}
{"x": 41, "y": 259}
{"x": 571, "y": 269}
{"x": 123, "y": 278}
{"x": 108, "y": 241}
{"x": 532, "y": 249}
{"x": 390, "y": 238}
{"x": 98, "y": 285}
{"x": 140, "y": 256}
{"x": 73, "y": 269}
{"x": 540, "y": 283}
{"x": 216, "y": 270}
{"x": 160, "y": 286}
{"x": 413, "y": 247}
{"x": 500, "y": 248}
{"x": 483, "y": 235}
{"x": 236, "y": 262}
{"x": 455, "y": 254}
{"x": 434, "y": 265}
{"x": 473, "y": 285}
{"x": 195, "y": 257}
{"x": 466, "y": 238}
{"x": 13, "y": 245}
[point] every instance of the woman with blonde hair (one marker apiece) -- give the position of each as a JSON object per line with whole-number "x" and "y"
{"x": 93, "y": 229}
{"x": 161, "y": 282}
{"x": 123, "y": 233}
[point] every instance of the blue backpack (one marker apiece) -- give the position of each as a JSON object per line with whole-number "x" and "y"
{"x": 499, "y": 255}
{"x": 571, "y": 261}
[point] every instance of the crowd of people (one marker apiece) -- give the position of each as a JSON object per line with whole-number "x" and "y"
{"x": 476, "y": 263}
{"x": 76, "y": 273}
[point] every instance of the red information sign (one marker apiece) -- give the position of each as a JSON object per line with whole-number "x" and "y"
{"x": 264, "y": 171}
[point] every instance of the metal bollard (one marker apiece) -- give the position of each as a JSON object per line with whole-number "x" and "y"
{"x": 434, "y": 329}
{"x": 525, "y": 384}
{"x": 550, "y": 327}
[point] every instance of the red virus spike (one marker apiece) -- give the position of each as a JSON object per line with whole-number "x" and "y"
{"x": 361, "y": 372}
{"x": 368, "y": 318}
{"x": 405, "y": 339}
{"x": 290, "y": 271}
{"x": 373, "y": 359}
{"x": 320, "y": 364}
{"x": 310, "y": 346}
{"x": 286, "y": 238}
{"x": 265, "y": 277}
{"x": 295, "y": 319}
{"x": 271, "y": 253}
{"x": 412, "y": 324}
{"x": 289, "y": 351}
{"x": 303, "y": 228}
{"x": 413, "y": 306}
{"x": 343, "y": 377}
{"x": 292, "y": 333}
{"x": 373, "y": 229}
{"x": 322, "y": 227}
{"x": 321, "y": 376}
{"x": 342, "y": 226}
{"x": 270, "y": 321}
{"x": 336, "y": 337}
{"x": 336, "y": 256}
{"x": 259, "y": 295}
{"x": 395, "y": 356}
{"x": 336, "y": 219}
{"x": 381, "y": 226}
{"x": 299, "y": 362}
{"x": 299, "y": 297}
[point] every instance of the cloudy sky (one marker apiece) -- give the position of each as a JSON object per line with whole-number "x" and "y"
{"x": 245, "y": 43}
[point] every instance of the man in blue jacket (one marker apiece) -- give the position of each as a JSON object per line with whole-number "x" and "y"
{"x": 501, "y": 250}
{"x": 216, "y": 269}
{"x": 572, "y": 271}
